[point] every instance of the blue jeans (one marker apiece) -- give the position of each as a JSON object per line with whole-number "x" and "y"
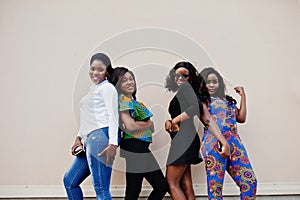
{"x": 90, "y": 163}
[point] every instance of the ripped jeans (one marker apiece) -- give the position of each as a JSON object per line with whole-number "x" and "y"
{"x": 88, "y": 163}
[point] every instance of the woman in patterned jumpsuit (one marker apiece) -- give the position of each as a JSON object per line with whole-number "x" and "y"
{"x": 226, "y": 114}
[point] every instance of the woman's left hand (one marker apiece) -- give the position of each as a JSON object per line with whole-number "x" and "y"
{"x": 225, "y": 150}
{"x": 110, "y": 153}
{"x": 175, "y": 127}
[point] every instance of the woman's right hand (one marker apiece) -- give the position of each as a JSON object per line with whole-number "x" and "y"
{"x": 110, "y": 153}
{"x": 225, "y": 151}
{"x": 175, "y": 127}
{"x": 76, "y": 144}
{"x": 168, "y": 126}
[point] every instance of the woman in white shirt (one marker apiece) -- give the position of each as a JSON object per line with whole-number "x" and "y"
{"x": 97, "y": 139}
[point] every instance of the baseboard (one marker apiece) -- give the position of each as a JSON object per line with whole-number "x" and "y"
{"x": 54, "y": 191}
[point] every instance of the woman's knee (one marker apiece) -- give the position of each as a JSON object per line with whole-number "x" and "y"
{"x": 186, "y": 185}
{"x": 67, "y": 181}
{"x": 173, "y": 184}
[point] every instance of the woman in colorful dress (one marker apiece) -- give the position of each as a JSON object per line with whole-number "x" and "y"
{"x": 226, "y": 114}
{"x": 185, "y": 144}
{"x": 137, "y": 129}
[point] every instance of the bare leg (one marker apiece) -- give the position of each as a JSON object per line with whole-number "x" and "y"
{"x": 187, "y": 184}
{"x": 174, "y": 175}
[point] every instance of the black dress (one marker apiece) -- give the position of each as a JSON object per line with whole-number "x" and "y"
{"x": 185, "y": 145}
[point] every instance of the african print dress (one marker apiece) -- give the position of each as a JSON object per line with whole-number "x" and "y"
{"x": 237, "y": 165}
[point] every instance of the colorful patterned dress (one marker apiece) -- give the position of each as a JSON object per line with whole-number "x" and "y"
{"x": 237, "y": 165}
{"x": 139, "y": 112}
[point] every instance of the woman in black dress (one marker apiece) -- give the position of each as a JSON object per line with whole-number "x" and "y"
{"x": 185, "y": 145}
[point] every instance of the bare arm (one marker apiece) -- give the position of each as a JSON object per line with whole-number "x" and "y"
{"x": 134, "y": 126}
{"x": 187, "y": 93}
{"x": 206, "y": 119}
{"x": 183, "y": 116}
{"x": 172, "y": 125}
{"x": 242, "y": 111}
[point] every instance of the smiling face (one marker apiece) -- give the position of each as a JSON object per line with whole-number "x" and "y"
{"x": 127, "y": 84}
{"x": 181, "y": 76}
{"x": 212, "y": 84}
{"x": 98, "y": 71}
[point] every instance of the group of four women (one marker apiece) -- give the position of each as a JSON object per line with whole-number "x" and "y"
{"x": 110, "y": 109}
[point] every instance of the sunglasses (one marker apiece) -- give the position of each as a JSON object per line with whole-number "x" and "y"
{"x": 185, "y": 76}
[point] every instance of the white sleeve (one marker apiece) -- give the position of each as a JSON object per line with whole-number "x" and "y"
{"x": 111, "y": 102}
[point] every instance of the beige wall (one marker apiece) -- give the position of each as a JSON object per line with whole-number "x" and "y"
{"x": 44, "y": 46}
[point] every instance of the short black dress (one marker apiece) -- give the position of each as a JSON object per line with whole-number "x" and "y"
{"x": 185, "y": 144}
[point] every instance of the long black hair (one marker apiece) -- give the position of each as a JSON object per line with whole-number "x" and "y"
{"x": 222, "y": 88}
{"x": 170, "y": 83}
{"x": 116, "y": 76}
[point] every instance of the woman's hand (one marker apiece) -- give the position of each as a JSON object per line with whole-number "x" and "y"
{"x": 77, "y": 144}
{"x": 168, "y": 126}
{"x": 110, "y": 153}
{"x": 241, "y": 112}
{"x": 175, "y": 126}
{"x": 133, "y": 126}
{"x": 225, "y": 150}
{"x": 240, "y": 90}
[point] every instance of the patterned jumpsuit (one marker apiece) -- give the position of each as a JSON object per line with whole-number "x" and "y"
{"x": 237, "y": 165}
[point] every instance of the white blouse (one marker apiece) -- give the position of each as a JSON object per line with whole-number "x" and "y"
{"x": 99, "y": 109}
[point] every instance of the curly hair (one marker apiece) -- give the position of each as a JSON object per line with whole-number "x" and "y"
{"x": 170, "y": 83}
{"x": 203, "y": 75}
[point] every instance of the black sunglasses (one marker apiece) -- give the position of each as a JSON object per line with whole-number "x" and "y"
{"x": 182, "y": 75}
